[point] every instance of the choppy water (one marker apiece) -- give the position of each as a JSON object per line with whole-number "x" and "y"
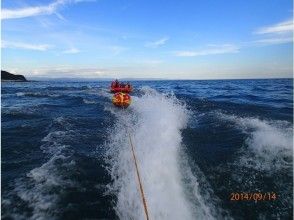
{"x": 65, "y": 152}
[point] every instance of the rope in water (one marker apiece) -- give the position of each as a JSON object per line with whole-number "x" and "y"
{"x": 139, "y": 179}
{"x": 138, "y": 175}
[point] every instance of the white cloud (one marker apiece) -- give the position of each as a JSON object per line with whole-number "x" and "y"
{"x": 60, "y": 16}
{"x": 280, "y": 33}
{"x": 158, "y": 43}
{"x": 36, "y": 10}
{"x": 185, "y": 53}
{"x": 77, "y": 1}
{"x": 25, "y": 46}
{"x": 32, "y": 11}
{"x": 67, "y": 71}
{"x": 71, "y": 51}
{"x": 213, "y": 49}
{"x": 272, "y": 41}
{"x": 280, "y": 28}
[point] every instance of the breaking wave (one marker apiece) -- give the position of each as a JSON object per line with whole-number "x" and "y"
{"x": 269, "y": 142}
{"x": 42, "y": 187}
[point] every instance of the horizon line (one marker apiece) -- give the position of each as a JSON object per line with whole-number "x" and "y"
{"x": 77, "y": 79}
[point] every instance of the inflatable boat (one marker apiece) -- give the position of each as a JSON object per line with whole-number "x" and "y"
{"x": 122, "y": 100}
{"x": 120, "y": 87}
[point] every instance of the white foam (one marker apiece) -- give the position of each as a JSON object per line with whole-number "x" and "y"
{"x": 36, "y": 94}
{"x": 43, "y": 185}
{"x": 86, "y": 101}
{"x": 20, "y": 94}
{"x": 42, "y": 191}
{"x": 52, "y": 142}
{"x": 103, "y": 92}
{"x": 155, "y": 122}
{"x": 60, "y": 120}
{"x": 270, "y": 141}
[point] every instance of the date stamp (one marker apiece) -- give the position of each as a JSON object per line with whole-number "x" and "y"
{"x": 253, "y": 196}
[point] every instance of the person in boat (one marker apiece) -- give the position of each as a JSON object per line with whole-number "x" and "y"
{"x": 116, "y": 84}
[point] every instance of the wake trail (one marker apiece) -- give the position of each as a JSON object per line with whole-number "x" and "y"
{"x": 155, "y": 122}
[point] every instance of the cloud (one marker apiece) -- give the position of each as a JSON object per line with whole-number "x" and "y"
{"x": 37, "y": 10}
{"x": 66, "y": 71}
{"x": 213, "y": 49}
{"x": 71, "y": 51}
{"x": 32, "y": 11}
{"x": 272, "y": 41}
{"x": 78, "y": 1}
{"x": 60, "y": 16}
{"x": 25, "y": 46}
{"x": 280, "y": 33}
{"x": 157, "y": 43}
{"x": 280, "y": 28}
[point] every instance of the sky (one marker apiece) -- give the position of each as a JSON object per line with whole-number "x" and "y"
{"x": 166, "y": 39}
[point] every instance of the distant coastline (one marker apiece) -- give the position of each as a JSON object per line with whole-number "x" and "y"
{"x": 77, "y": 79}
{"x": 9, "y": 77}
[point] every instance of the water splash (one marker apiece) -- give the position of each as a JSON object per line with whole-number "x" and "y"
{"x": 155, "y": 122}
{"x": 269, "y": 142}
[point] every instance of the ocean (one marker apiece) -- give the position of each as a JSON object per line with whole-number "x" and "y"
{"x": 206, "y": 149}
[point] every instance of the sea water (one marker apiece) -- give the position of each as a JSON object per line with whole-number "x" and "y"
{"x": 66, "y": 152}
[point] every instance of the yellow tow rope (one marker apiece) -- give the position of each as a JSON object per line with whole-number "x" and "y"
{"x": 139, "y": 179}
{"x": 138, "y": 175}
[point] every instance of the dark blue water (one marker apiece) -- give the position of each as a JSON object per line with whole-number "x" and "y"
{"x": 65, "y": 152}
